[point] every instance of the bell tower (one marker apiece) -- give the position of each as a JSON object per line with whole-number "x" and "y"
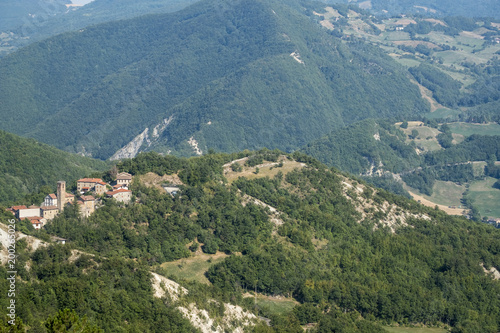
{"x": 61, "y": 195}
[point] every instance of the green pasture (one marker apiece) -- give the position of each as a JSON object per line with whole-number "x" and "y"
{"x": 485, "y": 197}
{"x": 467, "y": 129}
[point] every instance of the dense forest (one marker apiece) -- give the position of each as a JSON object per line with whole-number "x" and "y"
{"x": 33, "y": 20}
{"x": 349, "y": 269}
{"x": 29, "y": 167}
{"x": 207, "y": 72}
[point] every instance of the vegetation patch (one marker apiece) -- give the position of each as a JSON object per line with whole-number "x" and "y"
{"x": 268, "y": 169}
{"x": 485, "y": 197}
{"x": 468, "y": 129}
{"x": 414, "y": 330}
{"x": 272, "y": 304}
{"x": 193, "y": 268}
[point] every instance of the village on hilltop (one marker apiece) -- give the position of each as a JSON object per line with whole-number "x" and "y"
{"x": 89, "y": 192}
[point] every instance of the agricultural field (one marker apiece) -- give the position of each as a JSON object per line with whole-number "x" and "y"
{"x": 446, "y": 195}
{"x": 467, "y": 129}
{"x": 426, "y": 139}
{"x": 485, "y": 197}
{"x": 442, "y": 113}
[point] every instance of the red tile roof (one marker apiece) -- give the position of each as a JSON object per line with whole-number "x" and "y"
{"x": 69, "y": 195}
{"x": 35, "y": 219}
{"x": 117, "y": 191}
{"x": 33, "y": 207}
{"x": 89, "y": 180}
{"x": 18, "y": 207}
{"x": 52, "y": 196}
{"x": 49, "y": 207}
{"x": 87, "y": 198}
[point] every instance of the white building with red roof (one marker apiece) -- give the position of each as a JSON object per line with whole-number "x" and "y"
{"x": 121, "y": 195}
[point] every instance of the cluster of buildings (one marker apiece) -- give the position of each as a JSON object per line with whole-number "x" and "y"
{"x": 89, "y": 190}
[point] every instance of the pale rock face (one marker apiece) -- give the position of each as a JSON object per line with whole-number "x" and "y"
{"x": 194, "y": 144}
{"x": 132, "y": 148}
{"x": 234, "y": 319}
{"x": 162, "y": 286}
{"x": 33, "y": 242}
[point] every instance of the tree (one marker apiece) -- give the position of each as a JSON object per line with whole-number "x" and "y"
{"x": 68, "y": 321}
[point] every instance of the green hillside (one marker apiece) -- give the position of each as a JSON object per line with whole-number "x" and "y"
{"x": 208, "y": 72}
{"x": 26, "y": 165}
{"x": 50, "y": 20}
{"x": 343, "y": 255}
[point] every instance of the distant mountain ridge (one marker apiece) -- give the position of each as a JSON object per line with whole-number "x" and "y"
{"x": 219, "y": 79}
{"x": 33, "y": 21}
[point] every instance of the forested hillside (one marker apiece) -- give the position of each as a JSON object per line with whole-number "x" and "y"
{"x": 207, "y": 75}
{"x": 352, "y": 256}
{"x": 27, "y": 166}
{"x": 31, "y": 21}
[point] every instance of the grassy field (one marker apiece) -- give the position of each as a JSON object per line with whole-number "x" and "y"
{"x": 486, "y": 198}
{"x": 267, "y": 169}
{"x": 274, "y": 305}
{"x": 445, "y": 193}
{"x": 442, "y": 113}
{"x": 414, "y": 330}
{"x": 470, "y": 129}
{"x": 193, "y": 268}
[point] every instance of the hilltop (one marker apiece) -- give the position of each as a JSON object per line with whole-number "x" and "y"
{"x": 331, "y": 250}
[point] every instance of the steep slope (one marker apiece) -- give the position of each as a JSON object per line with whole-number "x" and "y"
{"x": 26, "y": 165}
{"x": 351, "y": 255}
{"x": 25, "y": 24}
{"x": 365, "y": 147}
{"x": 218, "y": 74}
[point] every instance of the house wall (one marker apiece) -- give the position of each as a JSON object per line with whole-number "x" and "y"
{"x": 49, "y": 214}
{"x": 28, "y": 212}
{"x": 123, "y": 197}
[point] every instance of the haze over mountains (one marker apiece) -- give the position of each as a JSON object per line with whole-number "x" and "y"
{"x": 266, "y": 240}
{"x": 208, "y": 72}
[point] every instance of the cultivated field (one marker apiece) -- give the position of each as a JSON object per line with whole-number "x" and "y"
{"x": 467, "y": 129}
{"x": 485, "y": 197}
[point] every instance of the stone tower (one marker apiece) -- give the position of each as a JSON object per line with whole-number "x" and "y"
{"x": 61, "y": 195}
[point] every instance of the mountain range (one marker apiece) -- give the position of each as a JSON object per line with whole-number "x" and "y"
{"x": 208, "y": 76}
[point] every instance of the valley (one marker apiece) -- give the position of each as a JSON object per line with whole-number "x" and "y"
{"x": 374, "y": 208}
